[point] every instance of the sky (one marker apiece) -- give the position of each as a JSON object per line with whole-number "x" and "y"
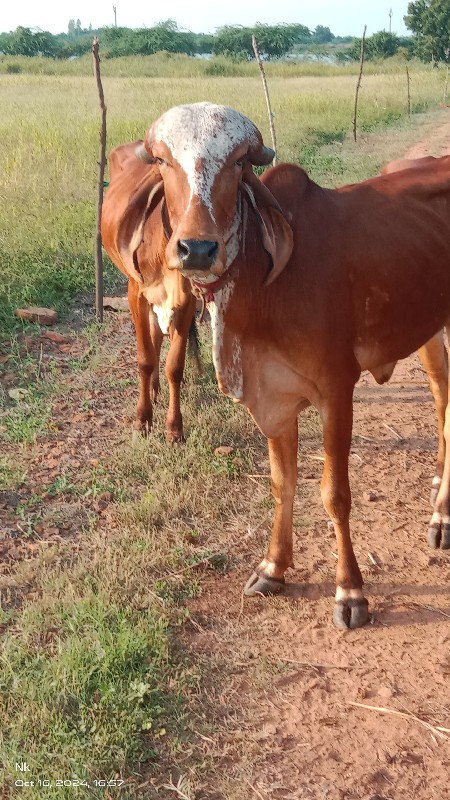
{"x": 343, "y": 17}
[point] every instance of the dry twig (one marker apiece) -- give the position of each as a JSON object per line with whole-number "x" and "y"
{"x": 436, "y": 729}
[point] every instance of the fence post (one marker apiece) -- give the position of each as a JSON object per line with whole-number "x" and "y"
{"x": 101, "y": 176}
{"x": 266, "y": 92}
{"x": 361, "y": 63}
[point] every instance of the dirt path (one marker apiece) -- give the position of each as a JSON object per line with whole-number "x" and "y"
{"x": 435, "y": 143}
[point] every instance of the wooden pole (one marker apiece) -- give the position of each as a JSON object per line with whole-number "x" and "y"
{"x": 447, "y": 53}
{"x": 266, "y": 93}
{"x": 101, "y": 177}
{"x": 361, "y": 63}
{"x": 408, "y": 79}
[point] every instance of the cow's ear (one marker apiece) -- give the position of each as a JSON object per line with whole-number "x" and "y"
{"x": 130, "y": 230}
{"x": 278, "y": 238}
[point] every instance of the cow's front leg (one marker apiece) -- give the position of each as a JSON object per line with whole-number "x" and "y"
{"x": 179, "y": 333}
{"x": 147, "y": 358}
{"x": 269, "y": 575}
{"x": 351, "y": 608}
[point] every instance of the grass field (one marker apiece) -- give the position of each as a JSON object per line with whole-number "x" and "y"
{"x": 94, "y": 680}
{"x": 49, "y": 151}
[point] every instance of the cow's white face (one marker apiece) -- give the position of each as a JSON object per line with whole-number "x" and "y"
{"x": 200, "y": 138}
{"x": 201, "y": 150}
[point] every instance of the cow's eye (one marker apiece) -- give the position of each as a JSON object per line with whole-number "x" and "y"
{"x": 238, "y": 163}
{"x": 159, "y": 161}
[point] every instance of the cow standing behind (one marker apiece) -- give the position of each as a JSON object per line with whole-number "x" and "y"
{"x": 434, "y": 357}
{"x": 306, "y": 288}
{"x": 161, "y": 302}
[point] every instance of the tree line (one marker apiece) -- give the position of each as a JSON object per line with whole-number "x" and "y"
{"x": 428, "y": 20}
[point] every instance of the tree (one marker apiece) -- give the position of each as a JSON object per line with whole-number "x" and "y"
{"x": 234, "y": 41}
{"x": 274, "y": 41}
{"x": 429, "y": 20}
{"x": 322, "y": 35}
{"x": 381, "y": 45}
{"x": 23, "y": 42}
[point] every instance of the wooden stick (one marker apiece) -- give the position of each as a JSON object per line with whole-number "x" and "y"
{"x": 266, "y": 92}
{"x": 361, "y": 63}
{"x": 101, "y": 177}
{"x": 392, "y": 430}
{"x": 311, "y": 665}
{"x": 258, "y": 794}
{"x": 409, "y": 93}
{"x": 439, "y": 730}
{"x": 415, "y": 604}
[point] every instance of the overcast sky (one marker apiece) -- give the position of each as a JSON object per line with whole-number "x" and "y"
{"x": 343, "y": 17}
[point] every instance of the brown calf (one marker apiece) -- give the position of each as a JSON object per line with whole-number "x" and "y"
{"x": 160, "y": 301}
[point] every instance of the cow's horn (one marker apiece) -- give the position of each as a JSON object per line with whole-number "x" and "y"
{"x": 142, "y": 154}
{"x": 262, "y": 156}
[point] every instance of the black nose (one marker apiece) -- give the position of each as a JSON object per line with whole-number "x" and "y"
{"x": 197, "y": 254}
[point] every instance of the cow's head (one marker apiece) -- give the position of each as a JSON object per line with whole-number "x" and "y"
{"x": 205, "y": 154}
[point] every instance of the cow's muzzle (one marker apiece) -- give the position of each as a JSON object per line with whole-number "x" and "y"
{"x": 197, "y": 254}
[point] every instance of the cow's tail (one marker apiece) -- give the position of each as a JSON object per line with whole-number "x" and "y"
{"x": 194, "y": 347}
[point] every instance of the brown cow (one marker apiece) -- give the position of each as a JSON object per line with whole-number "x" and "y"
{"x": 306, "y": 287}
{"x": 160, "y": 301}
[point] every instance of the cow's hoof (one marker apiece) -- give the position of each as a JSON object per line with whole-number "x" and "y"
{"x": 351, "y": 613}
{"x": 259, "y": 584}
{"x": 140, "y": 431}
{"x": 439, "y": 535}
{"x": 434, "y": 536}
{"x": 175, "y": 437}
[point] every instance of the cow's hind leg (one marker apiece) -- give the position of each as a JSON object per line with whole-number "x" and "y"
{"x": 147, "y": 359}
{"x": 434, "y": 358}
{"x": 269, "y": 575}
{"x": 439, "y": 529}
{"x": 351, "y": 607}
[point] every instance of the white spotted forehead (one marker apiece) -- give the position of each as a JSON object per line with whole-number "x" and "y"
{"x": 203, "y": 130}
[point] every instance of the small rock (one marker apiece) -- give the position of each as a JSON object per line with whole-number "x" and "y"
{"x": 223, "y": 451}
{"x": 44, "y": 316}
{"x": 116, "y": 303}
{"x": 370, "y": 496}
{"x": 54, "y": 336}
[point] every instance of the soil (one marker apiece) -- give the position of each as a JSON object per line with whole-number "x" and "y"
{"x": 308, "y": 711}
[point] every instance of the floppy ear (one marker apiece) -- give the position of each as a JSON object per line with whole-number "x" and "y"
{"x": 278, "y": 238}
{"x": 130, "y": 230}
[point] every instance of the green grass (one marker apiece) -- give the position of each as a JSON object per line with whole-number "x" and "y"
{"x": 92, "y": 682}
{"x": 49, "y": 139}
